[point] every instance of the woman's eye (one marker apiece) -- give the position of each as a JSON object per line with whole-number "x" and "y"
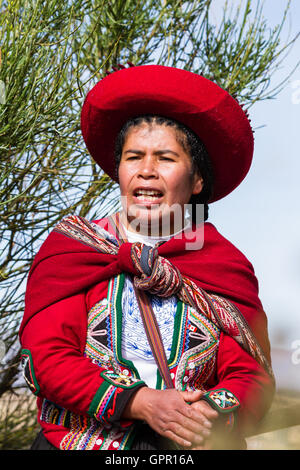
{"x": 169, "y": 159}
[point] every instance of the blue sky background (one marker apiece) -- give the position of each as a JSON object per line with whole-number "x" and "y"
{"x": 262, "y": 216}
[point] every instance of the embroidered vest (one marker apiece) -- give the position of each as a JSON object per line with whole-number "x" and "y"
{"x": 191, "y": 361}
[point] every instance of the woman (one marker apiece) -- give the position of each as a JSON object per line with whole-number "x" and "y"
{"x": 91, "y": 351}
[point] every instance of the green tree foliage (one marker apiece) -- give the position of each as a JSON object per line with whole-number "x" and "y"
{"x": 51, "y": 54}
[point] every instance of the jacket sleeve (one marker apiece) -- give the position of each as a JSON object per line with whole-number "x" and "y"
{"x": 54, "y": 365}
{"x": 246, "y": 381}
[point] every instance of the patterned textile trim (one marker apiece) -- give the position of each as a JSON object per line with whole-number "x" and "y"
{"x": 87, "y": 434}
{"x": 120, "y": 380}
{"x": 197, "y": 362}
{"x": 230, "y": 421}
{"x": 221, "y": 305}
{"x": 98, "y": 336}
{"x": 227, "y": 317}
{"x": 110, "y": 394}
{"x": 83, "y": 434}
{"x": 28, "y": 371}
{"x": 106, "y": 401}
{"x": 116, "y": 290}
{"x": 103, "y": 345}
{"x": 78, "y": 228}
{"x": 54, "y": 414}
{"x": 222, "y": 400}
{"x": 180, "y": 339}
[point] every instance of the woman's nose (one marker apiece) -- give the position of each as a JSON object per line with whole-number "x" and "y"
{"x": 148, "y": 167}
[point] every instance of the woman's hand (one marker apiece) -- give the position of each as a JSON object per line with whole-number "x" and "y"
{"x": 202, "y": 408}
{"x": 169, "y": 413}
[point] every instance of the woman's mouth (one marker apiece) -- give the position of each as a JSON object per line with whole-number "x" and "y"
{"x": 147, "y": 196}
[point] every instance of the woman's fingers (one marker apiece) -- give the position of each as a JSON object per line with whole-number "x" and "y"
{"x": 196, "y": 424}
{"x": 204, "y": 411}
{"x": 191, "y": 396}
{"x": 183, "y": 436}
{"x": 180, "y": 441}
{"x": 181, "y": 428}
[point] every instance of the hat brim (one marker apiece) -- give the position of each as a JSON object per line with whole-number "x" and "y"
{"x": 191, "y": 99}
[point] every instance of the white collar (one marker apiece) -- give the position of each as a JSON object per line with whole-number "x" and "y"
{"x": 133, "y": 237}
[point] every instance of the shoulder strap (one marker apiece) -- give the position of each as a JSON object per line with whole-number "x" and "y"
{"x": 148, "y": 316}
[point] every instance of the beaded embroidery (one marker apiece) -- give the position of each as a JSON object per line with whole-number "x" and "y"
{"x": 222, "y": 400}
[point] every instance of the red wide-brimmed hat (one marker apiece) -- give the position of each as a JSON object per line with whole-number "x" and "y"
{"x": 207, "y": 109}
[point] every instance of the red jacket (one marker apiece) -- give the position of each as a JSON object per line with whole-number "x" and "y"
{"x": 73, "y": 386}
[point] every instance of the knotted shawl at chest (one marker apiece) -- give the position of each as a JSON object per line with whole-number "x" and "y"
{"x": 76, "y": 255}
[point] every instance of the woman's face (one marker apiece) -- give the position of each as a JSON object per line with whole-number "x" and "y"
{"x": 156, "y": 180}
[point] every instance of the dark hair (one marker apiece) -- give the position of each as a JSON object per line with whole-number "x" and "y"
{"x": 191, "y": 144}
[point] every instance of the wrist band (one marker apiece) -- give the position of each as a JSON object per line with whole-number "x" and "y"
{"x": 221, "y": 400}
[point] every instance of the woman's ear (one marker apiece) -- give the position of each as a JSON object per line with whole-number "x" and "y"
{"x": 198, "y": 184}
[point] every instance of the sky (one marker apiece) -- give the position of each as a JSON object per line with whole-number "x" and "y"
{"x": 262, "y": 216}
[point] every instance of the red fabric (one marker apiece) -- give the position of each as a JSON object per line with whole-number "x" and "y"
{"x": 67, "y": 278}
{"x": 64, "y": 267}
{"x": 56, "y": 339}
{"x": 187, "y": 97}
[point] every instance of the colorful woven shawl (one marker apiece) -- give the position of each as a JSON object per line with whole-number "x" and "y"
{"x": 151, "y": 272}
